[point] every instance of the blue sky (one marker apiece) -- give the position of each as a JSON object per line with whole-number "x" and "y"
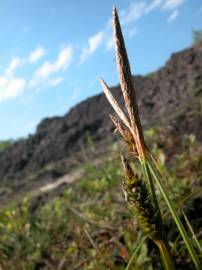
{"x": 53, "y": 52}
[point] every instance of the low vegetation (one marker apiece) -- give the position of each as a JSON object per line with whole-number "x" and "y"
{"x": 5, "y": 144}
{"x": 87, "y": 226}
{"x": 197, "y": 36}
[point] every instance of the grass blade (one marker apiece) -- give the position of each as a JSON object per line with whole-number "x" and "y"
{"x": 175, "y": 216}
{"x": 137, "y": 248}
{"x": 165, "y": 256}
{"x": 193, "y": 234}
{"x": 149, "y": 180}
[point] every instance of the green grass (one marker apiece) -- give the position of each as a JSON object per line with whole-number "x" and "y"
{"x": 87, "y": 225}
{"x": 5, "y": 144}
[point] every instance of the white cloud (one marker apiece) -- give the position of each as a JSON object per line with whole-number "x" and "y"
{"x": 93, "y": 43}
{"x": 133, "y": 12}
{"x": 110, "y": 43}
{"x": 172, "y": 4}
{"x": 173, "y": 16}
{"x": 153, "y": 5}
{"x": 42, "y": 77}
{"x": 61, "y": 64}
{"x": 38, "y": 53}
{"x": 45, "y": 70}
{"x": 15, "y": 63}
{"x": 10, "y": 87}
{"x": 56, "y": 81}
{"x": 64, "y": 59}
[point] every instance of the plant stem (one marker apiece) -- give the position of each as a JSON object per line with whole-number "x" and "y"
{"x": 192, "y": 232}
{"x": 165, "y": 255}
{"x": 162, "y": 244}
{"x": 137, "y": 248}
{"x": 175, "y": 216}
{"x": 150, "y": 184}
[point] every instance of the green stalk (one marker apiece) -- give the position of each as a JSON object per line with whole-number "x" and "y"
{"x": 193, "y": 234}
{"x": 162, "y": 244}
{"x": 165, "y": 255}
{"x": 150, "y": 184}
{"x": 137, "y": 248}
{"x": 175, "y": 216}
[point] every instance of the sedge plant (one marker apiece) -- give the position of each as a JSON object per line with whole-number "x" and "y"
{"x": 140, "y": 193}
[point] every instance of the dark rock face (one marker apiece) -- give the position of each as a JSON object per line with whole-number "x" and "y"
{"x": 169, "y": 96}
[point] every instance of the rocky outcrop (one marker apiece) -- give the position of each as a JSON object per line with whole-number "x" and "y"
{"x": 170, "y": 95}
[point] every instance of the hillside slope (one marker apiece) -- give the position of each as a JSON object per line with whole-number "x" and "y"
{"x": 170, "y": 95}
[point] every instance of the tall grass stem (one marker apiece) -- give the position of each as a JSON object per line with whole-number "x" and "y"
{"x": 165, "y": 255}
{"x": 175, "y": 216}
{"x": 137, "y": 248}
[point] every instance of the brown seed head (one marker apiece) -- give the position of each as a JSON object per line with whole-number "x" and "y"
{"x": 127, "y": 87}
{"x": 127, "y": 169}
{"x": 114, "y": 103}
{"x": 123, "y": 67}
{"x": 126, "y": 135}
